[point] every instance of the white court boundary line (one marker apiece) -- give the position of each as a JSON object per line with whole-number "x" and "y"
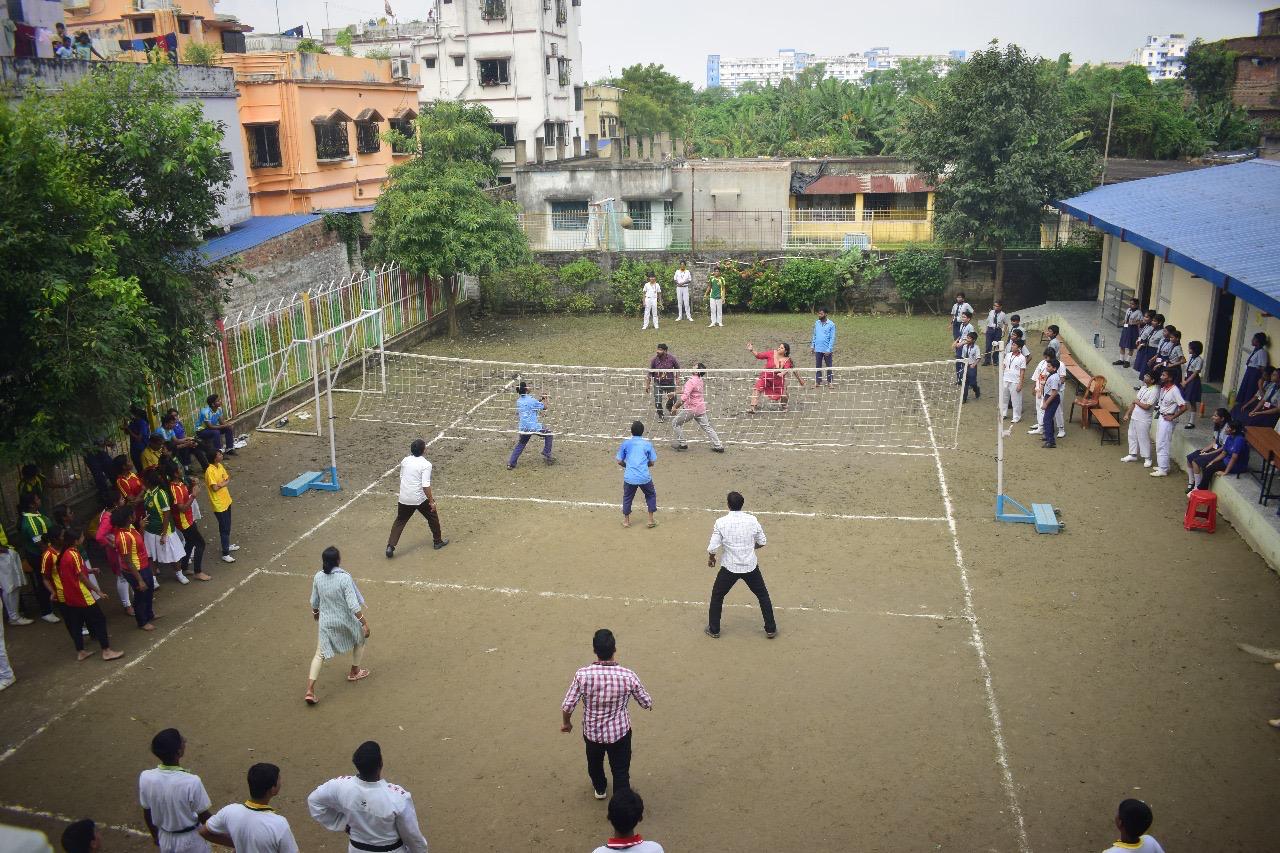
{"x": 617, "y": 504}
{"x": 984, "y": 666}
{"x": 446, "y": 586}
{"x": 61, "y": 818}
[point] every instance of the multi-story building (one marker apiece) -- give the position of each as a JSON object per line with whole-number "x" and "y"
{"x": 520, "y": 58}
{"x": 1162, "y": 56}
{"x": 136, "y": 26}
{"x": 602, "y": 111}
{"x": 1257, "y": 85}
{"x": 733, "y": 73}
{"x": 298, "y": 112}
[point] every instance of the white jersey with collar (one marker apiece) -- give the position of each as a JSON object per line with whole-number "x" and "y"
{"x": 375, "y": 813}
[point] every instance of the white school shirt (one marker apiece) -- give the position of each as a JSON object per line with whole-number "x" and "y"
{"x": 641, "y": 846}
{"x": 683, "y": 277}
{"x": 254, "y": 829}
{"x": 971, "y": 354}
{"x": 1133, "y": 317}
{"x": 1055, "y": 345}
{"x": 415, "y": 475}
{"x": 739, "y": 533}
{"x": 373, "y": 813}
{"x": 174, "y": 797}
{"x": 652, "y": 290}
{"x": 1169, "y": 400}
{"x": 1039, "y": 375}
{"x": 1053, "y": 382}
{"x": 965, "y": 330}
{"x": 1148, "y": 394}
{"x": 1014, "y": 364}
{"x": 1258, "y": 358}
{"x": 996, "y": 320}
{"x": 1146, "y": 844}
{"x": 958, "y": 309}
{"x": 1195, "y": 365}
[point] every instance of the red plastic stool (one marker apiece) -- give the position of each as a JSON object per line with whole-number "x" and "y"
{"x": 1202, "y": 511}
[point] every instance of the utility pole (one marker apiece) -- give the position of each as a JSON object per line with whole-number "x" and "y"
{"x": 278, "y": 29}
{"x": 1106, "y": 149}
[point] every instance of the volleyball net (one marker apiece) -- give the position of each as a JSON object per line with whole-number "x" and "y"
{"x": 886, "y": 406}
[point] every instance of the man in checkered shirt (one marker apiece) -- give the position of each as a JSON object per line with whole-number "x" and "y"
{"x": 604, "y": 688}
{"x": 740, "y": 535}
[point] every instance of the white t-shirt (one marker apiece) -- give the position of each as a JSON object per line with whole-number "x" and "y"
{"x": 254, "y": 830}
{"x": 1146, "y": 844}
{"x": 173, "y": 796}
{"x": 1170, "y": 400}
{"x": 640, "y": 846}
{"x": 1014, "y": 365}
{"x": 652, "y": 290}
{"x": 683, "y": 277}
{"x": 415, "y": 475}
{"x": 1051, "y": 384}
{"x": 1147, "y": 394}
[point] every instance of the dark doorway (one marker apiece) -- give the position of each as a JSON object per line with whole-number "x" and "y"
{"x": 1145, "y": 272}
{"x": 1224, "y": 313}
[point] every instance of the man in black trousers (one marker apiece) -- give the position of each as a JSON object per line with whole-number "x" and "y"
{"x": 738, "y": 535}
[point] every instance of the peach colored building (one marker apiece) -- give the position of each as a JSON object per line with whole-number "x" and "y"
{"x": 313, "y": 127}
{"x": 125, "y": 29}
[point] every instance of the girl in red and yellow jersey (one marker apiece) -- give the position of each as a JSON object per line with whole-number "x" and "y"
{"x": 64, "y": 575}
{"x": 135, "y": 565}
{"x": 129, "y": 484}
{"x": 184, "y": 516}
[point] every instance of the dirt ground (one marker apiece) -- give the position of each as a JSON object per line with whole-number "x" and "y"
{"x": 866, "y": 725}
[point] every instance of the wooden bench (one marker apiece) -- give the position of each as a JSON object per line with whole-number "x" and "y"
{"x": 1106, "y": 420}
{"x": 1265, "y": 441}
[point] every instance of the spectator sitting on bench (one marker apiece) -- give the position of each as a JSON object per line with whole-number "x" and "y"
{"x": 1233, "y": 458}
{"x": 1197, "y": 459}
{"x": 1265, "y": 409}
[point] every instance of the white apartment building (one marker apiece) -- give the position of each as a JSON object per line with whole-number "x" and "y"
{"x": 734, "y": 72}
{"x": 520, "y": 58}
{"x": 1162, "y": 56}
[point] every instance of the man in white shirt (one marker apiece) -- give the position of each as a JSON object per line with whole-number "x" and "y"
{"x": 79, "y": 837}
{"x": 253, "y": 826}
{"x": 957, "y": 314}
{"x": 738, "y": 535}
{"x": 376, "y": 815}
{"x": 415, "y": 496}
{"x": 996, "y": 321}
{"x": 1170, "y": 406}
{"x": 174, "y": 801}
{"x": 626, "y": 810}
{"x": 1133, "y": 819}
{"x": 682, "y": 278}
{"x": 1013, "y": 369}
{"x": 652, "y": 298}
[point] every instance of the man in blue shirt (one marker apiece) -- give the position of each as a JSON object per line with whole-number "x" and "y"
{"x": 210, "y": 426}
{"x": 636, "y": 456}
{"x": 823, "y": 344}
{"x": 527, "y": 408}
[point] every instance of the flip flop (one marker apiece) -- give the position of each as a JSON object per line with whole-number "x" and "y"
{"x": 310, "y": 698}
{"x": 362, "y": 673}
{"x": 651, "y": 525}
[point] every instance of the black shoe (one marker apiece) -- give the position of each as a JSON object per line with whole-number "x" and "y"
{"x": 1118, "y": 362}
{"x": 717, "y": 450}
{"x": 682, "y": 447}
{"x": 391, "y": 551}
{"x": 715, "y": 635}
{"x": 436, "y": 545}
{"x": 771, "y": 634}
{"x": 231, "y": 452}
{"x": 550, "y": 460}
{"x": 1048, "y": 446}
{"x": 1127, "y": 364}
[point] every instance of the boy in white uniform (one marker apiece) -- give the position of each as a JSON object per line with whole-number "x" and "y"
{"x": 682, "y": 278}
{"x": 626, "y": 810}
{"x": 1170, "y": 405}
{"x": 253, "y": 826}
{"x": 1013, "y": 367}
{"x": 375, "y": 814}
{"x": 1139, "y": 418}
{"x": 652, "y": 296}
{"x": 1133, "y": 819}
{"x": 174, "y": 801}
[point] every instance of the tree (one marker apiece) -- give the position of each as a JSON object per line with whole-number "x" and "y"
{"x": 200, "y": 53}
{"x": 997, "y": 143}
{"x": 919, "y": 274}
{"x": 309, "y": 45}
{"x": 435, "y": 217}
{"x": 1209, "y": 70}
{"x": 344, "y": 41}
{"x": 106, "y": 189}
{"x": 655, "y": 100}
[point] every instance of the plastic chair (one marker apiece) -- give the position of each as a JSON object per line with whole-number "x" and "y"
{"x": 1202, "y": 511}
{"x": 1090, "y": 400}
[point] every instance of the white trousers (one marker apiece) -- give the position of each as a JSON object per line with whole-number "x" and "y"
{"x": 12, "y": 598}
{"x": 122, "y": 590}
{"x": 6, "y": 672}
{"x": 1164, "y": 439}
{"x": 186, "y": 842}
{"x": 684, "y": 416}
{"x": 717, "y": 311}
{"x": 1010, "y": 394}
{"x": 682, "y": 303}
{"x": 1140, "y": 434}
{"x": 650, "y": 311}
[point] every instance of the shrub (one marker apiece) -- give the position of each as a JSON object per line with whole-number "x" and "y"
{"x": 766, "y": 287}
{"x": 580, "y": 303}
{"x": 807, "y": 283}
{"x": 580, "y": 274}
{"x": 919, "y": 274}
{"x": 855, "y": 271}
{"x": 530, "y": 286}
{"x": 200, "y": 53}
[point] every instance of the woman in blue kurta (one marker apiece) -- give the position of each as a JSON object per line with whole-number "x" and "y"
{"x": 338, "y": 606}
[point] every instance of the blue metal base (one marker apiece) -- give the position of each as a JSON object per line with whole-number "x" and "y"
{"x": 1042, "y": 516}
{"x": 312, "y": 480}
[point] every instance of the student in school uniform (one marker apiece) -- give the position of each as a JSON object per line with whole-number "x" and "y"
{"x": 715, "y": 298}
{"x": 253, "y": 826}
{"x": 1013, "y": 372}
{"x": 958, "y": 311}
{"x": 1139, "y": 416}
{"x": 1201, "y": 456}
{"x": 67, "y": 581}
{"x": 1232, "y": 458}
{"x": 1015, "y": 326}
{"x": 11, "y": 581}
{"x": 105, "y": 535}
{"x": 652, "y": 301}
{"x": 1169, "y": 407}
{"x": 1265, "y": 410}
{"x": 1052, "y": 402}
{"x": 173, "y": 799}
{"x": 1169, "y": 355}
{"x": 1038, "y": 377}
{"x": 135, "y": 565}
{"x": 183, "y": 501}
{"x": 1255, "y": 368}
{"x": 33, "y": 540}
{"x": 626, "y": 810}
{"x": 996, "y": 321}
{"x": 217, "y": 481}
{"x": 1129, "y": 334}
{"x": 683, "y": 278}
{"x": 1147, "y": 351}
{"x": 972, "y": 357}
{"x": 636, "y": 456}
{"x": 966, "y": 329}
{"x": 1133, "y": 819}
{"x": 1191, "y": 390}
{"x": 130, "y": 486}
{"x": 163, "y": 542}
{"x": 1145, "y": 329}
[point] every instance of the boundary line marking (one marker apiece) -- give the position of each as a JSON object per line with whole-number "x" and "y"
{"x": 511, "y": 591}
{"x": 61, "y": 818}
{"x": 979, "y": 645}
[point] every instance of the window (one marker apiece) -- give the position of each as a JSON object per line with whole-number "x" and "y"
{"x": 184, "y": 26}
{"x": 668, "y": 213}
{"x": 577, "y": 99}
{"x": 569, "y": 215}
{"x": 232, "y": 42}
{"x": 641, "y": 213}
{"x": 548, "y": 66}
{"x": 144, "y": 25}
{"x": 332, "y": 142}
{"x": 493, "y": 10}
{"x": 458, "y": 59}
{"x": 429, "y": 61}
{"x": 506, "y": 131}
{"x": 493, "y": 72}
{"x": 404, "y": 127}
{"x": 264, "y": 145}
{"x": 367, "y": 141}
{"x": 562, "y": 12}
{"x": 565, "y": 77}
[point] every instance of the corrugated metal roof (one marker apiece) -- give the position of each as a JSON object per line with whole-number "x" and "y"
{"x": 1222, "y": 224}
{"x": 851, "y": 184}
{"x": 254, "y": 232}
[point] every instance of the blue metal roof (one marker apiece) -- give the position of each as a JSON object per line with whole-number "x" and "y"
{"x": 1222, "y": 224}
{"x": 254, "y": 231}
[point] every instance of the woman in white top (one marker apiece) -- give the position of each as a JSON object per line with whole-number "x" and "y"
{"x": 337, "y": 605}
{"x": 1139, "y": 417}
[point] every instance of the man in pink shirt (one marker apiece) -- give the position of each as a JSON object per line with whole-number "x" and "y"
{"x": 692, "y": 406}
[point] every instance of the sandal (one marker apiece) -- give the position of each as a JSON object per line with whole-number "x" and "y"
{"x": 357, "y": 675}
{"x": 310, "y": 698}
{"x": 652, "y": 525}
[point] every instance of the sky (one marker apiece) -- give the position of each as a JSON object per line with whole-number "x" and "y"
{"x": 680, "y": 33}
